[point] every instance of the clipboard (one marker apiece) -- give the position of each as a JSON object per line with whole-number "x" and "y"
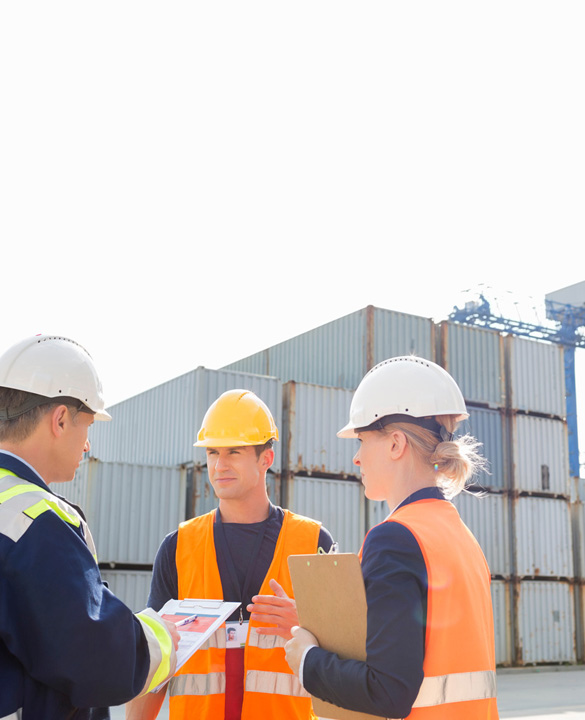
{"x": 330, "y": 594}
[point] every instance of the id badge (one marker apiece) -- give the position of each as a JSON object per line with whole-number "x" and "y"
{"x": 236, "y": 634}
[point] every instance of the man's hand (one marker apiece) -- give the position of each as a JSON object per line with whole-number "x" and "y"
{"x": 294, "y": 649}
{"x": 277, "y": 609}
{"x": 171, "y": 627}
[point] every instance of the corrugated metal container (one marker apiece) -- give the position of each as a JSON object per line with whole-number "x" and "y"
{"x": 129, "y": 508}
{"x": 501, "y": 604}
{"x": 338, "y": 504}
{"x": 475, "y": 359}
{"x": 546, "y": 622}
{"x": 540, "y": 455}
{"x": 376, "y": 512}
{"x": 131, "y": 586}
{"x": 543, "y": 537}
{"x": 312, "y": 415}
{"x": 159, "y": 426}
{"x": 339, "y": 353}
{"x": 487, "y": 517}
{"x": 488, "y": 426}
{"x": 203, "y": 498}
{"x": 536, "y": 376}
{"x": 578, "y": 523}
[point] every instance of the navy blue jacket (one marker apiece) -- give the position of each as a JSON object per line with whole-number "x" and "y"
{"x": 396, "y": 582}
{"x": 68, "y": 646}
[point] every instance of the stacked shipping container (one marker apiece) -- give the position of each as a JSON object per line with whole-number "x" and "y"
{"x": 522, "y": 510}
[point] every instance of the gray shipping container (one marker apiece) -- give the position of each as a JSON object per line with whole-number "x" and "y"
{"x": 159, "y": 426}
{"x": 540, "y": 455}
{"x": 502, "y": 607}
{"x": 488, "y": 519}
{"x": 312, "y": 415}
{"x": 546, "y": 623}
{"x": 475, "y": 359}
{"x": 129, "y": 508}
{"x": 543, "y": 537}
{"x": 131, "y": 586}
{"x": 338, "y": 504}
{"x": 488, "y": 426}
{"x": 339, "y": 353}
{"x": 536, "y": 376}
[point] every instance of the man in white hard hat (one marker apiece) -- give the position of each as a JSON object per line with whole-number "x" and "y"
{"x": 68, "y": 647}
{"x": 237, "y": 553}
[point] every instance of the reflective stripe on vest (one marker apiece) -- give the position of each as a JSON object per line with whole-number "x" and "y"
{"x": 266, "y": 642}
{"x": 458, "y": 687}
{"x": 21, "y": 502}
{"x": 270, "y": 688}
{"x": 276, "y": 683}
{"x": 206, "y": 684}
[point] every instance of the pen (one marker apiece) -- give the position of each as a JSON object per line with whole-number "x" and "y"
{"x": 186, "y": 621}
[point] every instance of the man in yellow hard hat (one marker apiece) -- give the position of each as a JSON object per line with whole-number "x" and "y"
{"x": 238, "y": 553}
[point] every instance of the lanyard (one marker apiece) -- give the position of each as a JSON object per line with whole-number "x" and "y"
{"x": 241, "y": 592}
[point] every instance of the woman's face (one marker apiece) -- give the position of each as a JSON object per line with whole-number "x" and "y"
{"x": 374, "y": 462}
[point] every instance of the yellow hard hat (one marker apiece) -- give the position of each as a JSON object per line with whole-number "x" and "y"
{"x": 238, "y": 417}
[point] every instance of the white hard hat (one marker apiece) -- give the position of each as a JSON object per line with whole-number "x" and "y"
{"x": 53, "y": 367}
{"x": 407, "y": 386}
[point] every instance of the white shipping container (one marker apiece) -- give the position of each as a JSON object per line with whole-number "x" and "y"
{"x": 312, "y": 415}
{"x": 540, "y": 455}
{"x": 487, "y": 517}
{"x": 129, "y": 508}
{"x": 546, "y": 622}
{"x": 501, "y": 605}
{"x": 536, "y": 376}
{"x": 543, "y": 537}
{"x": 339, "y": 353}
{"x": 159, "y": 426}
{"x": 475, "y": 359}
{"x": 131, "y": 586}
{"x": 338, "y": 504}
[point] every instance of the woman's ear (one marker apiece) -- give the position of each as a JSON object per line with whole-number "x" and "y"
{"x": 398, "y": 444}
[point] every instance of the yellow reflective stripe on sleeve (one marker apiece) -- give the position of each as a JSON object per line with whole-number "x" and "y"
{"x": 194, "y": 684}
{"x": 45, "y": 504}
{"x": 160, "y": 646}
{"x": 13, "y": 716}
{"x": 18, "y": 490}
{"x": 456, "y": 687}
{"x": 274, "y": 683}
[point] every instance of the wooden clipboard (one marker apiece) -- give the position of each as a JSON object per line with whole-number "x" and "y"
{"x": 331, "y": 603}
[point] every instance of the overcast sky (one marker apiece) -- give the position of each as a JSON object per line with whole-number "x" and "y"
{"x": 186, "y": 183}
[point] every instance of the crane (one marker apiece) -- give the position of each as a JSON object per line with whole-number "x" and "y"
{"x": 564, "y": 324}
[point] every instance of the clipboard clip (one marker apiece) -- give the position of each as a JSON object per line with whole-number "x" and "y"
{"x": 333, "y": 549}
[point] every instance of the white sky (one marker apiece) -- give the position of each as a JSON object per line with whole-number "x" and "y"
{"x": 186, "y": 183}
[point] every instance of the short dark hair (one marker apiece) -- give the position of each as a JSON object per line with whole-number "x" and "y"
{"x": 266, "y": 446}
{"x": 19, "y": 427}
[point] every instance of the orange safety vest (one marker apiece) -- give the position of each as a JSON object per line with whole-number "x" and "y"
{"x": 271, "y": 690}
{"x": 459, "y": 665}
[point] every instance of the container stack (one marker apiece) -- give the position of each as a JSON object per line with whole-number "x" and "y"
{"x": 544, "y": 587}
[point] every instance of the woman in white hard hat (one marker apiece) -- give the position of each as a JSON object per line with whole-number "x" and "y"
{"x": 430, "y": 641}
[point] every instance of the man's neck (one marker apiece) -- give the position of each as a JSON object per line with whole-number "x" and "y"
{"x": 242, "y": 512}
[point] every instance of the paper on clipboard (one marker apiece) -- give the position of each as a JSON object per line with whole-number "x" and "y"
{"x": 331, "y": 603}
{"x": 211, "y": 614}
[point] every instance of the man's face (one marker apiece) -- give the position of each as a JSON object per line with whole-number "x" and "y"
{"x": 235, "y": 473}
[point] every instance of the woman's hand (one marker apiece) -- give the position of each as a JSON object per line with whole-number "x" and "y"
{"x": 294, "y": 648}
